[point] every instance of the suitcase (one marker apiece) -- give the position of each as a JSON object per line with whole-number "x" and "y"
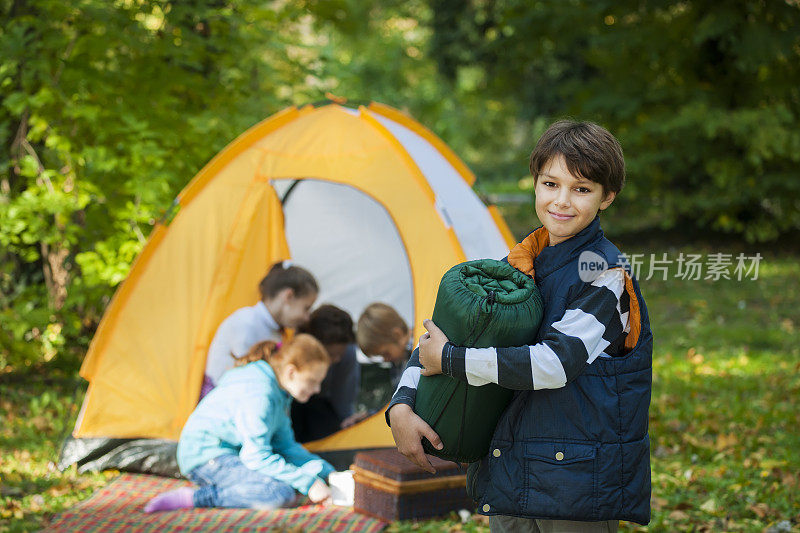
{"x": 390, "y": 487}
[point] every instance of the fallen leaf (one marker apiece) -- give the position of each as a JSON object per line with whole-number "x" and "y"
{"x": 725, "y": 441}
{"x": 694, "y": 357}
{"x": 678, "y": 516}
{"x": 707, "y": 370}
{"x": 37, "y": 502}
{"x": 761, "y": 510}
{"x": 480, "y": 519}
{"x": 40, "y": 423}
{"x": 709, "y": 506}
{"x": 708, "y": 527}
{"x": 59, "y": 490}
{"x": 658, "y": 503}
{"x": 789, "y": 479}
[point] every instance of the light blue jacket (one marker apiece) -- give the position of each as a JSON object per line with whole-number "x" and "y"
{"x": 248, "y": 414}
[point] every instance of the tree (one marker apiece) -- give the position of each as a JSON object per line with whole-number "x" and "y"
{"x": 704, "y": 96}
{"x": 108, "y": 109}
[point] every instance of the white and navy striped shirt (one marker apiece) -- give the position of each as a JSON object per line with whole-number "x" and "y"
{"x": 594, "y": 325}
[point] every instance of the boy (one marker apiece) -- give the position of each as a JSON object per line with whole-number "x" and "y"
{"x": 571, "y": 451}
{"x": 382, "y": 331}
{"x": 333, "y": 408}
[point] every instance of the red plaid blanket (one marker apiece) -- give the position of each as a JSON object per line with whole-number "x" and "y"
{"x": 119, "y": 507}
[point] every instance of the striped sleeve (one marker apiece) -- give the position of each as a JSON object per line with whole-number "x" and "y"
{"x": 593, "y": 325}
{"x": 406, "y": 391}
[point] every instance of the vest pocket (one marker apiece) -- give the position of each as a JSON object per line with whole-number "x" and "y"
{"x": 560, "y": 480}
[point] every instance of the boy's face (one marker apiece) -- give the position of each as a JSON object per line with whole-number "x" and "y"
{"x": 392, "y": 352}
{"x": 565, "y": 204}
{"x": 397, "y": 350}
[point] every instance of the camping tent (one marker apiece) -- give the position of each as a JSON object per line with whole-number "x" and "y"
{"x": 372, "y": 203}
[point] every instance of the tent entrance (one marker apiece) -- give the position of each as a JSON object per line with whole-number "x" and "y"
{"x": 349, "y": 241}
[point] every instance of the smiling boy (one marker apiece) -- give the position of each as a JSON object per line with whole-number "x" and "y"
{"x": 565, "y": 204}
{"x": 571, "y": 452}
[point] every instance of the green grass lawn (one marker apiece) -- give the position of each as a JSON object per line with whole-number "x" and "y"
{"x": 725, "y": 423}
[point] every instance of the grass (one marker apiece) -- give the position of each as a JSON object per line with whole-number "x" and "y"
{"x": 724, "y": 413}
{"x": 725, "y": 419}
{"x": 37, "y": 415}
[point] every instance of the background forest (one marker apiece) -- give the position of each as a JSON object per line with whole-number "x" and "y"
{"x": 110, "y": 108}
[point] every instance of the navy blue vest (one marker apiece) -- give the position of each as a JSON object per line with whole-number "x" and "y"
{"x": 581, "y": 452}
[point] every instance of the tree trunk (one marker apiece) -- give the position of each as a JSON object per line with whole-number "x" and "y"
{"x": 56, "y": 275}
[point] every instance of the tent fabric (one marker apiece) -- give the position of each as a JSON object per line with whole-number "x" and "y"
{"x": 457, "y": 204}
{"x": 371, "y": 202}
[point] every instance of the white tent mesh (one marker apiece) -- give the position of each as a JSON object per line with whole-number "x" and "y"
{"x": 350, "y": 243}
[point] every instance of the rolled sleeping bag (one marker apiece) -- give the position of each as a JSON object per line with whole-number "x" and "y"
{"x": 480, "y": 304}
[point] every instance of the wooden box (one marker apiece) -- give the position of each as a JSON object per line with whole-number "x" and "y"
{"x": 390, "y": 487}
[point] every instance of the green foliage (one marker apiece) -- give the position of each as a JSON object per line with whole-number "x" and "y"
{"x": 705, "y": 96}
{"x": 386, "y": 51}
{"x": 108, "y": 109}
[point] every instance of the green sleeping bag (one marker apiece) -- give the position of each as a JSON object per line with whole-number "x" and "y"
{"x": 480, "y": 304}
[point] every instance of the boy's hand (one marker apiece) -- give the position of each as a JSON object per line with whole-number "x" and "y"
{"x": 431, "y": 345}
{"x": 319, "y": 492}
{"x": 408, "y": 430}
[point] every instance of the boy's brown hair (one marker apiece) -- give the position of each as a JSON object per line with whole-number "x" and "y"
{"x": 283, "y": 275}
{"x": 330, "y": 325}
{"x": 589, "y": 150}
{"x": 376, "y": 327}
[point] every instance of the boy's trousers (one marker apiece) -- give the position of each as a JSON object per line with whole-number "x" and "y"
{"x": 513, "y": 524}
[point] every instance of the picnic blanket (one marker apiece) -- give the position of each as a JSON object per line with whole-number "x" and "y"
{"x": 119, "y": 507}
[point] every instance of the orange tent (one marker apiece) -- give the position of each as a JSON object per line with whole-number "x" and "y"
{"x": 371, "y": 202}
